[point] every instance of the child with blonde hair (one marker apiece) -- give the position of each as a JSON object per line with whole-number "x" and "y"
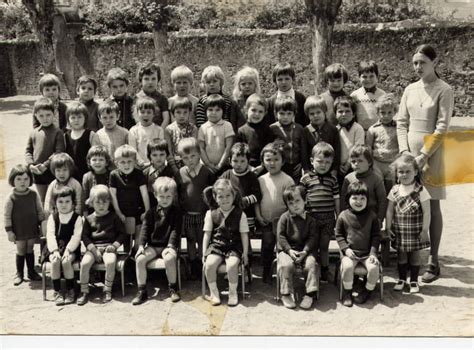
{"x": 182, "y": 80}
{"x": 246, "y": 83}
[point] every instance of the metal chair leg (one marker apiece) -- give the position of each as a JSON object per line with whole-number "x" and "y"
{"x": 43, "y": 280}
{"x": 122, "y": 280}
{"x": 178, "y": 271}
{"x": 243, "y": 281}
{"x": 203, "y": 282}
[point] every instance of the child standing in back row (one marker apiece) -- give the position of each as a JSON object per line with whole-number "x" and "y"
{"x": 86, "y": 89}
{"x": 50, "y": 87}
{"x": 182, "y": 81}
{"x": 117, "y": 81}
{"x": 335, "y": 76}
{"x": 246, "y": 83}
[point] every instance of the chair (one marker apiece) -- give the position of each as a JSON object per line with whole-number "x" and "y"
{"x": 46, "y": 268}
{"x": 222, "y": 270}
{"x": 359, "y": 271}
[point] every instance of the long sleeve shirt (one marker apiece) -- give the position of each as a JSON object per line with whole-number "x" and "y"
{"x": 365, "y": 106}
{"x": 49, "y": 204}
{"x": 298, "y": 233}
{"x": 75, "y": 240}
{"x": 161, "y": 227}
{"x": 107, "y": 229}
{"x": 42, "y": 144}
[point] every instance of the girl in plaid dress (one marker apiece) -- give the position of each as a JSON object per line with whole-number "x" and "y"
{"x": 408, "y": 219}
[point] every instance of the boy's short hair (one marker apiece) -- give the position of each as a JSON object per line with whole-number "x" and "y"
{"x": 182, "y": 72}
{"x": 211, "y": 72}
{"x": 214, "y": 100}
{"x": 49, "y": 80}
{"x": 98, "y": 151}
{"x": 99, "y": 193}
{"x": 290, "y": 192}
{"x": 240, "y": 149}
{"x": 368, "y": 67}
{"x": 159, "y": 145}
{"x": 285, "y": 103}
{"x": 43, "y": 103}
{"x": 181, "y": 103}
{"x": 62, "y": 192}
{"x": 125, "y": 151}
{"x": 117, "y": 74}
{"x": 273, "y": 148}
{"x": 256, "y": 99}
{"x": 187, "y": 145}
{"x": 283, "y": 69}
{"x": 142, "y": 103}
{"x": 323, "y": 149}
{"x": 17, "y": 170}
{"x": 84, "y": 79}
{"x": 165, "y": 184}
{"x": 315, "y": 101}
{"x": 76, "y": 108}
{"x": 362, "y": 150}
{"x": 345, "y": 101}
{"x": 149, "y": 69}
{"x": 336, "y": 71}
{"x": 357, "y": 188}
{"x": 59, "y": 160}
{"x": 108, "y": 106}
{"x": 387, "y": 100}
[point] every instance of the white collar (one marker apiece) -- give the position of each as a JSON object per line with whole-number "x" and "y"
{"x": 289, "y": 93}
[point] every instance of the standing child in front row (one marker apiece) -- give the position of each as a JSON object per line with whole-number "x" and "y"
{"x": 216, "y": 136}
{"x": 283, "y": 76}
{"x": 145, "y": 131}
{"x": 86, "y": 89}
{"x": 192, "y": 179}
{"x": 270, "y": 208}
{"x": 366, "y": 96}
{"x": 23, "y": 203}
{"x": 182, "y": 81}
{"x": 246, "y": 83}
{"x": 408, "y": 220}
{"x": 335, "y": 76}
{"x": 103, "y": 233}
{"x": 160, "y": 237}
{"x": 225, "y": 239}
{"x": 381, "y": 138}
{"x": 322, "y": 199}
{"x": 117, "y": 81}
{"x": 289, "y": 135}
{"x": 63, "y": 243}
{"x": 78, "y": 138}
{"x": 62, "y": 166}
{"x": 358, "y": 236}
{"x": 128, "y": 190}
{"x": 43, "y": 142}
{"x": 50, "y": 87}
{"x": 297, "y": 244}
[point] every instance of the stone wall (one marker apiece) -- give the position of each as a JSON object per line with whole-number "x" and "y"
{"x": 391, "y": 45}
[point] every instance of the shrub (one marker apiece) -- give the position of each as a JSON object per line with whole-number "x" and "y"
{"x": 14, "y": 21}
{"x": 378, "y": 13}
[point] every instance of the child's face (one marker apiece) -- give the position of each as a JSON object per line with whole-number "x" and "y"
{"x": 109, "y": 119}
{"x": 125, "y": 164}
{"x": 118, "y": 88}
{"x": 145, "y": 116}
{"x": 45, "y": 117}
{"x": 368, "y": 79}
{"x": 64, "y": 205}
{"x": 255, "y": 113}
{"x": 359, "y": 164}
{"x": 77, "y": 121}
{"x": 296, "y": 205}
{"x": 214, "y": 113}
{"x": 239, "y": 163}
{"x": 272, "y": 162}
{"x": 86, "y": 91}
{"x": 191, "y": 159}
{"x": 212, "y": 86}
{"x": 224, "y": 199}
{"x": 101, "y": 207}
{"x": 284, "y": 82}
{"x": 285, "y": 117}
{"x": 158, "y": 158}
{"x": 182, "y": 87}
{"x": 150, "y": 82}
{"x": 386, "y": 114}
{"x": 21, "y": 182}
{"x": 335, "y": 84}
{"x": 62, "y": 174}
{"x": 51, "y": 92}
{"x": 358, "y": 202}
{"x": 164, "y": 198}
{"x": 181, "y": 115}
{"x": 98, "y": 164}
{"x": 316, "y": 116}
{"x": 344, "y": 115}
{"x": 247, "y": 86}
{"x": 406, "y": 174}
{"x": 321, "y": 164}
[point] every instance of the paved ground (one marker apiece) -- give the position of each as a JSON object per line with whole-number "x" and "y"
{"x": 443, "y": 308}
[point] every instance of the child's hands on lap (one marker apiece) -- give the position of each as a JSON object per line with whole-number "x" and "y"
{"x": 350, "y": 253}
{"x": 55, "y": 255}
{"x": 373, "y": 259}
{"x": 11, "y": 236}
{"x": 110, "y": 249}
{"x": 293, "y": 254}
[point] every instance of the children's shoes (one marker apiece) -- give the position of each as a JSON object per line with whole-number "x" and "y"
{"x": 17, "y": 280}
{"x": 83, "y": 299}
{"x": 414, "y": 288}
{"x": 107, "y": 297}
{"x": 174, "y": 295}
{"x": 141, "y": 297}
{"x": 307, "y": 302}
{"x": 69, "y": 298}
{"x": 399, "y": 286}
{"x": 288, "y": 301}
{"x": 233, "y": 297}
{"x": 347, "y": 298}
{"x": 58, "y": 298}
{"x": 363, "y": 296}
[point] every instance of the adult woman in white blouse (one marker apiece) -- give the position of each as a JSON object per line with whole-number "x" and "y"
{"x": 426, "y": 109}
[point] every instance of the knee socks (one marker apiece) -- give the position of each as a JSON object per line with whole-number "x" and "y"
{"x": 402, "y": 271}
{"x": 20, "y": 264}
{"x": 414, "y": 270}
{"x": 30, "y": 263}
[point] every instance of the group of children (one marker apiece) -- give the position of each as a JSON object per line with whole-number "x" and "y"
{"x": 143, "y": 171}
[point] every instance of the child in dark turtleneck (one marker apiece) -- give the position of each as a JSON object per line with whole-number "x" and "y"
{"x": 335, "y": 76}
{"x": 255, "y": 133}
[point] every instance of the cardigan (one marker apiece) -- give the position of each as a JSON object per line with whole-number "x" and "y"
{"x": 295, "y": 232}
{"x": 161, "y": 227}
